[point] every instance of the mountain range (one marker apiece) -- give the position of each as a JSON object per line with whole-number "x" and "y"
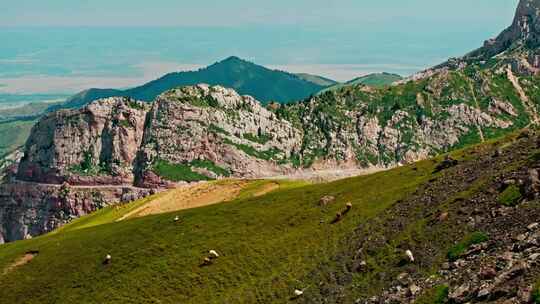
{"x": 245, "y": 77}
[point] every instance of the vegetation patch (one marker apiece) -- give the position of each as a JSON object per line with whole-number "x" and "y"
{"x": 177, "y": 172}
{"x": 125, "y": 123}
{"x": 218, "y": 130}
{"x": 510, "y": 196}
{"x": 211, "y": 166}
{"x": 471, "y": 239}
{"x": 437, "y": 295}
{"x": 261, "y": 138}
{"x": 536, "y": 293}
{"x": 14, "y": 134}
{"x": 135, "y": 105}
{"x": 204, "y": 101}
{"x": 87, "y": 167}
{"x": 249, "y": 150}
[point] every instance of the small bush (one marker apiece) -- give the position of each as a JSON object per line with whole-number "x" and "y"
{"x": 536, "y": 294}
{"x": 436, "y": 295}
{"x": 135, "y": 105}
{"x": 510, "y": 196}
{"x": 262, "y": 139}
{"x": 125, "y": 123}
{"x": 469, "y": 240}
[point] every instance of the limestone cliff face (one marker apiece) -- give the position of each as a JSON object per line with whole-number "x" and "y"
{"x": 118, "y": 140}
{"x": 216, "y": 125}
{"x": 97, "y": 144}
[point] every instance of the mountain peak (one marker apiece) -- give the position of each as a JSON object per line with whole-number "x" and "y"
{"x": 234, "y": 59}
{"x": 525, "y": 30}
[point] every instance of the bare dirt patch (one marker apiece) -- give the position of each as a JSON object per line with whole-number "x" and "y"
{"x": 29, "y": 256}
{"x": 193, "y": 196}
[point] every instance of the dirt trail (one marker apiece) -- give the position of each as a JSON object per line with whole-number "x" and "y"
{"x": 20, "y": 262}
{"x": 193, "y": 196}
{"x": 471, "y": 88}
{"x": 530, "y": 107}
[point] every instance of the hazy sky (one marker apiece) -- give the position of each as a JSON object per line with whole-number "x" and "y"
{"x": 63, "y": 46}
{"x": 332, "y": 13}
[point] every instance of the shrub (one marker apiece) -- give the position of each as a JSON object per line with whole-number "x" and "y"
{"x": 436, "y": 295}
{"x": 536, "y": 294}
{"x": 510, "y": 196}
{"x": 469, "y": 240}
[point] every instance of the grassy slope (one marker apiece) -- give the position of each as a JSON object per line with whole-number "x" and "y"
{"x": 13, "y": 135}
{"x": 376, "y": 80}
{"x": 267, "y": 244}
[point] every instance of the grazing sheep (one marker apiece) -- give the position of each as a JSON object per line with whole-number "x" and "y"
{"x": 298, "y": 293}
{"x": 207, "y": 262}
{"x": 108, "y": 259}
{"x": 213, "y": 254}
{"x": 326, "y": 200}
{"x": 337, "y": 218}
{"x": 177, "y": 218}
{"x": 341, "y": 214}
{"x": 410, "y": 256}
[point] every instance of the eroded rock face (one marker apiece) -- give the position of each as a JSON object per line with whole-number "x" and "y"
{"x": 215, "y": 124}
{"x": 95, "y": 145}
{"x": 28, "y": 210}
{"x": 525, "y": 27}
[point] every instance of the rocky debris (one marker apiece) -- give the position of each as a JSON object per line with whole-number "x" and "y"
{"x": 532, "y": 184}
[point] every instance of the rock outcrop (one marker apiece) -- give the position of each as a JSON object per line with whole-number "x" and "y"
{"x": 28, "y": 209}
{"x": 233, "y": 133}
{"x": 95, "y": 145}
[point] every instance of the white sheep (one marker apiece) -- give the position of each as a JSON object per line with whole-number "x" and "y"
{"x": 410, "y": 255}
{"x": 213, "y": 254}
{"x": 177, "y": 218}
{"x": 108, "y": 259}
{"x": 298, "y": 293}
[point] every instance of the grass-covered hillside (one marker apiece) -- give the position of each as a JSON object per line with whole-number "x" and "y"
{"x": 443, "y": 111}
{"x": 375, "y": 80}
{"x": 13, "y": 135}
{"x": 289, "y": 239}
